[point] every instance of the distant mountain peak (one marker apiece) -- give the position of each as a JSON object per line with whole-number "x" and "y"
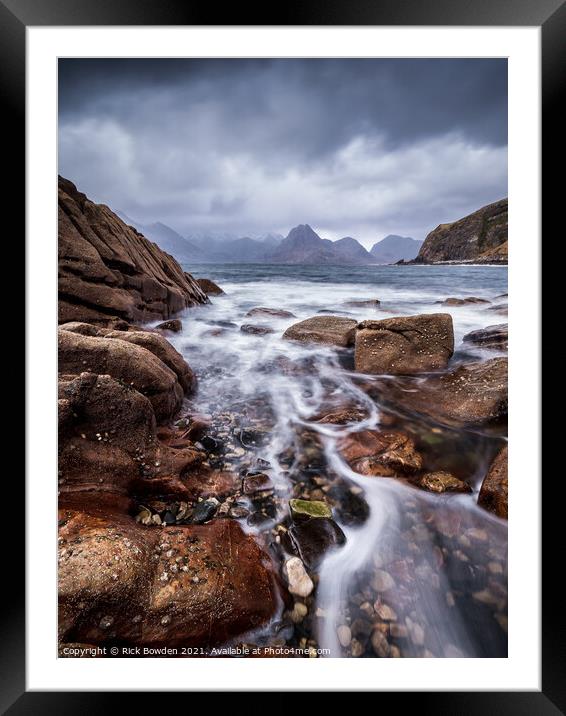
{"x": 393, "y": 248}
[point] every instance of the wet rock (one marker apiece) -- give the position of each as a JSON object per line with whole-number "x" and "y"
{"x": 380, "y": 644}
{"x": 228, "y": 586}
{"x": 492, "y": 337}
{"x": 344, "y": 634}
{"x": 493, "y": 492}
{"x": 382, "y": 581}
{"x": 341, "y": 415}
{"x": 109, "y": 271}
{"x": 173, "y": 325}
{"x": 441, "y": 481}
{"x": 312, "y": 538}
{"x": 463, "y": 301}
{"x": 270, "y": 312}
{"x": 162, "y": 349}
{"x": 204, "y": 511}
{"x": 256, "y": 482}
{"x": 500, "y": 309}
{"x": 327, "y": 330}
{"x": 404, "y": 346}
{"x": 301, "y": 509}
{"x": 369, "y": 303}
{"x": 256, "y": 330}
{"x": 473, "y": 394}
{"x": 385, "y": 454}
{"x": 209, "y": 287}
{"x": 127, "y": 362}
{"x": 298, "y": 580}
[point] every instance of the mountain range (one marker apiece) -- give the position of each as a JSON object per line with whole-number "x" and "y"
{"x": 302, "y": 245}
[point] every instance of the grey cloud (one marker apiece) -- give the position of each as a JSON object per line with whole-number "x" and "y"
{"x": 358, "y": 147}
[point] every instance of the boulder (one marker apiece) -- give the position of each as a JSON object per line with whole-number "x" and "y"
{"x": 492, "y": 337}
{"x": 270, "y": 312}
{"x": 312, "y": 538}
{"x": 109, "y": 271}
{"x": 404, "y": 346}
{"x": 493, "y": 492}
{"x": 209, "y": 288}
{"x": 452, "y": 301}
{"x": 190, "y": 585}
{"x": 441, "y": 481}
{"x": 162, "y": 349}
{"x": 377, "y": 453}
{"x": 256, "y": 330}
{"x": 327, "y": 330}
{"x": 473, "y": 394}
{"x": 130, "y": 363}
{"x": 174, "y": 325}
{"x": 367, "y": 303}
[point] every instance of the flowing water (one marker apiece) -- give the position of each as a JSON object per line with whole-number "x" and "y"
{"x": 444, "y": 558}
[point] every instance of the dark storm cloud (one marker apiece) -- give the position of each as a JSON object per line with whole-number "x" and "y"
{"x": 357, "y": 147}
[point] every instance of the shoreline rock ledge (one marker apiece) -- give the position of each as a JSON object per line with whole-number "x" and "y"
{"x": 196, "y": 583}
{"x": 109, "y": 271}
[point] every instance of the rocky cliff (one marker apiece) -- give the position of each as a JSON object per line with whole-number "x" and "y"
{"x": 108, "y": 271}
{"x": 480, "y": 237}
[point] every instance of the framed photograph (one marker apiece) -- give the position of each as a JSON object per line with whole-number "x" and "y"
{"x": 282, "y": 333}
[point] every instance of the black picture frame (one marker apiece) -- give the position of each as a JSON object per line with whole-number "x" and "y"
{"x": 16, "y": 16}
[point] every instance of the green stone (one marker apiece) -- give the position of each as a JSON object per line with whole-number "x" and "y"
{"x": 309, "y": 508}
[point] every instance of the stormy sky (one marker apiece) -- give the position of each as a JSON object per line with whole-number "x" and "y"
{"x": 353, "y": 147}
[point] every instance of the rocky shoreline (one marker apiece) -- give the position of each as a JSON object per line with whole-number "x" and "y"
{"x": 173, "y": 531}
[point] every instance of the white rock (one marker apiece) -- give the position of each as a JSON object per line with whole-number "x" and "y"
{"x": 299, "y": 581}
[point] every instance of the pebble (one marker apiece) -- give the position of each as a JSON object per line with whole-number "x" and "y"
{"x": 106, "y": 622}
{"x": 380, "y": 644}
{"x": 356, "y": 648}
{"x": 299, "y": 581}
{"x": 382, "y": 581}
{"x": 385, "y": 612}
{"x": 344, "y": 635}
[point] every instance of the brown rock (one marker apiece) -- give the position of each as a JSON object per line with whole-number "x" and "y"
{"x": 473, "y": 394}
{"x": 108, "y": 270}
{"x": 206, "y": 584}
{"x": 493, "y": 493}
{"x": 209, "y": 287}
{"x": 442, "y": 482}
{"x": 384, "y": 454}
{"x": 256, "y": 330}
{"x": 270, "y": 312}
{"x": 369, "y": 303}
{"x": 162, "y": 349}
{"x": 406, "y": 345}
{"x": 128, "y": 362}
{"x": 174, "y": 325}
{"x": 463, "y": 301}
{"x": 328, "y": 330}
{"x": 493, "y": 337}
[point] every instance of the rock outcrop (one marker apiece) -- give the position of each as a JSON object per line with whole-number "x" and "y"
{"x": 492, "y": 337}
{"x": 480, "y": 237}
{"x": 109, "y": 271}
{"x": 122, "y": 581}
{"x": 405, "y": 346}
{"x": 473, "y": 394}
{"x": 209, "y": 287}
{"x": 327, "y": 330}
{"x": 144, "y": 362}
{"x": 493, "y": 493}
